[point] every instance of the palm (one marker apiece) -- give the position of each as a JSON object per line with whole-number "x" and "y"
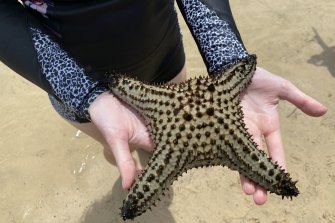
{"x": 120, "y": 126}
{"x": 120, "y": 122}
{"x": 260, "y": 102}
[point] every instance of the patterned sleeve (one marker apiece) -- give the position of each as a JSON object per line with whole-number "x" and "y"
{"x": 213, "y": 27}
{"x": 28, "y": 48}
{"x": 69, "y": 82}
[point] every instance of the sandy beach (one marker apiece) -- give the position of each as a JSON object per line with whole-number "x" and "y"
{"x": 51, "y": 173}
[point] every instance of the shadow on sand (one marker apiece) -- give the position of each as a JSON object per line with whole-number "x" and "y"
{"x": 107, "y": 209}
{"x": 326, "y": 57}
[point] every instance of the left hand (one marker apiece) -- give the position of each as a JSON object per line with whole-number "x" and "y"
{"x": 120, "y": 127}
{"x": 260, "y": 102}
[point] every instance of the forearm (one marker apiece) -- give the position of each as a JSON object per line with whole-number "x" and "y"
{"x": 215, "y": 32}
{"x": 69, "y": 82}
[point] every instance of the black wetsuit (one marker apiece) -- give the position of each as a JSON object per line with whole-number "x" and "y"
{"x": 66, "y": 46}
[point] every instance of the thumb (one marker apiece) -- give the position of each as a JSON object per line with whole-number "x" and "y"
{"x": 124, "y": 161}
{"x": 304, "y": 102}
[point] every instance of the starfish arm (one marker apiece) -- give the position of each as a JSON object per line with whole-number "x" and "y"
{"x": 248, "y": 160}
{"x": 232, "y": 81}
{"x": 166, "y": 164}
{"x": 143, "y": 97}
{"x": 226, "y": 85}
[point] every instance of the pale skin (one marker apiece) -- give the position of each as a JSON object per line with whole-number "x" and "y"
{"x": 117, "y": 127}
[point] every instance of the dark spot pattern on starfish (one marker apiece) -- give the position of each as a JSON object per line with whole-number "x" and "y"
{"x": 197, "y": 123}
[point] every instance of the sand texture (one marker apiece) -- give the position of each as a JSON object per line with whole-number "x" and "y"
{"x": 51, "y": 174}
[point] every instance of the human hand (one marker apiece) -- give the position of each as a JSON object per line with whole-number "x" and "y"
{"x": 121, "y": 127}
{"x": 259, "y": 103}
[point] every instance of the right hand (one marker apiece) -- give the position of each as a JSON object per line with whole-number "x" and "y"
{"x": 259, "y": 103}
{"x": 121, "y": 126}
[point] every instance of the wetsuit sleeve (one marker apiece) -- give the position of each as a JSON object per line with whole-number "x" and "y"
{"x": 212, "y": 25}
{"x": 28, "y": 48}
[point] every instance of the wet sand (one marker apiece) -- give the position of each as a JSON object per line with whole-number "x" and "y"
{"x": 50, "y": 173}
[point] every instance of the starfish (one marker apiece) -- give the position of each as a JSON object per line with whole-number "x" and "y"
{"x": 195, "y": 124}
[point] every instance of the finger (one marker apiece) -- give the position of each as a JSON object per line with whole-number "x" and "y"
{"x": 275, "y": 147}
{"x": 146, "y": 144}
{"x": 124, "y": 161}
{"x": 248, "y": 186}
{"x": 141, "y": 135}
{"x": 109, "y": 156}
{"x": 304, "y": 102}
{"x": 260, "y": 196}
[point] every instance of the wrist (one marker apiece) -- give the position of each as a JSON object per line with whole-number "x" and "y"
{"x": 102, "y": 100}
{"x": 90, "y": 98}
